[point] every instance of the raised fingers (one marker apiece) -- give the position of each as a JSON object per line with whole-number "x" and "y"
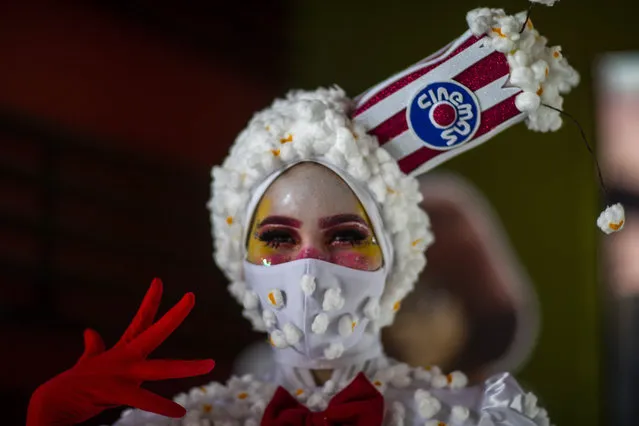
{"x": 169, "y": 369}
{"x": 146, "y": 313}
{"x": 145, "y": 400}
{"x": 93, "y": 344}
{"x": 151, "y": 338}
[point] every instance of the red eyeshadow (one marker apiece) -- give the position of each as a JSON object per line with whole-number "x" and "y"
{"x": 281, "y": 220}
{"x": 352, "y": 260}
{"x": 327, "y": 222}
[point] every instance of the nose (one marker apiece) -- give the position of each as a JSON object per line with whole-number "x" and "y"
{"x": 312, "y": 253}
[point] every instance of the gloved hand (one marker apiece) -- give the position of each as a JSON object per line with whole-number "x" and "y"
{"x": 104, "y": 379}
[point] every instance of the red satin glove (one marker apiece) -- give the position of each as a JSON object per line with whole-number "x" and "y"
{"x": 105, "y": 379}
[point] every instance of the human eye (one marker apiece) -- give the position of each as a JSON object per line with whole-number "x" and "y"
{"x": 275, "y": 238}
{"x": 349, "y": 236}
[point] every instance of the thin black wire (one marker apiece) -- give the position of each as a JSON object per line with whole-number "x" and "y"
{"x": 585, "y": 139}
{"x": 573, "y": 119}
{"x": 523, "y": 27}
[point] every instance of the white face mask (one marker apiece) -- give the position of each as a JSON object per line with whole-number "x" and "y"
{"x": 318, "y": 313}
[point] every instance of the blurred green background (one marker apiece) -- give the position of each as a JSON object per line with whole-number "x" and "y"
{"x": 542, "y": 185}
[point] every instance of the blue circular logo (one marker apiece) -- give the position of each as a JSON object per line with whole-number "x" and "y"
{"x": 444, "y": 115}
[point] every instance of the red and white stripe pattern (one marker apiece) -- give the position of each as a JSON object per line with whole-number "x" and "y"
{"x": 470, "y": 61}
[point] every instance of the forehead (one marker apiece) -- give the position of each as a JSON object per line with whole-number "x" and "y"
{"x": 310, "y": 190}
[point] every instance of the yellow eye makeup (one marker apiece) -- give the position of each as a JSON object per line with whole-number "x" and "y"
{"x": 300, "y": 223}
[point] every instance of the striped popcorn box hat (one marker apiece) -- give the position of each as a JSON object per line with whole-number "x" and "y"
{"x": 500, "y": 72}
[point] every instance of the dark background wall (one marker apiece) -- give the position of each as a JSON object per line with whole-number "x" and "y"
{"x": 111, "y": 114}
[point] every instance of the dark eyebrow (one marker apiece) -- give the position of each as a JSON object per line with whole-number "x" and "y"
{"x": 327, "y": 222}
{"x": 280, "y": 220}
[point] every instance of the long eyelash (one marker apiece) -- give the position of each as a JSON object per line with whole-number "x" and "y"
{"x": 270, "y": 238}
{"x": 357, "y": 237}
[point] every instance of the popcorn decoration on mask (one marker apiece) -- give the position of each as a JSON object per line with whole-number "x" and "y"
{"x": 251, "y": 301}
{"x": 333, "y": 299}
{"x": 371, "y": 310}
{"x": 292, "y": 334}
{"x": 269, "y": 319}
{"x": 320, "y": 324}
{"x": 308, "y": 284}
{"x": 335, "y": 350}
{"x": 346, "y": 325}
{"x": 275, "y": 298}
{"x": 278, "y": 339}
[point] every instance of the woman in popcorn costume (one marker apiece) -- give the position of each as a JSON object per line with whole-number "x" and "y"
{"x": 317, "y": 225}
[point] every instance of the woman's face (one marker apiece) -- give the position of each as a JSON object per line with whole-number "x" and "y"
{"x": 310, "y": 212}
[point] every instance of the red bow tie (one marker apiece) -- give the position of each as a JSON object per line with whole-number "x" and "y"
{"x": 358, "y": 404}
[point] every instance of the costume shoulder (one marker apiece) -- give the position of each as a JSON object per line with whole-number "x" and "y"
{"x": 417, "y": 396}
{"x": 504, "y": 402}
{"x": 241, "y": 402}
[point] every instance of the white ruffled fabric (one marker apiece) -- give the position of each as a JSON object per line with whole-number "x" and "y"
{"x": 315, "y": 125}
{"x": 540, "y": 71}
